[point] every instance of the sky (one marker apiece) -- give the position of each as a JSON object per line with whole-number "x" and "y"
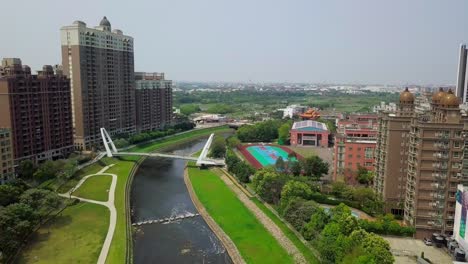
{"x": 319, "y": 41}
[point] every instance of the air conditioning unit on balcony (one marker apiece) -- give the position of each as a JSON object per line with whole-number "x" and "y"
{"x": 430, "y": 223}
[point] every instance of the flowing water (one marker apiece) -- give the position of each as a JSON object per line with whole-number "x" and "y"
{"x": 159, "y": 193}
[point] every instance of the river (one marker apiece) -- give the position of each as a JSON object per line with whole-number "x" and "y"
{"x": 159, "y": 191}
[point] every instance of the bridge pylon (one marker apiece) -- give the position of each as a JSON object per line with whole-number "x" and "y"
{"x": 106, "y": 139}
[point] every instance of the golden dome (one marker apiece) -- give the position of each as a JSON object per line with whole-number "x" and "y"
{"x": 450, "y": 99}
{"x": 437, "y": 97}
{"x": 406, "y": 96}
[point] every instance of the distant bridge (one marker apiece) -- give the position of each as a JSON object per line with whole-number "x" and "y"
{"x": 202, "y": 160}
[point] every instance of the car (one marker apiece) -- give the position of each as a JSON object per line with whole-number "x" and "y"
{"x": 427, "y": 241}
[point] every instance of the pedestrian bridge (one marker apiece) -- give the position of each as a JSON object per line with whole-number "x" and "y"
{"x": 202, "y": 160}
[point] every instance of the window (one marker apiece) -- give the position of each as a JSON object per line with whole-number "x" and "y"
{"x": 350, "y": 148}
{"x": 369, "y": 152}
{"x": 456, "y": 144}
{"x": 456, "y": 154}
{"x": 350, "y": 156}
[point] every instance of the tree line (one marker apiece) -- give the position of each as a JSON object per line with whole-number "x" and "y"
{"x": 21, "y": 210}
{"x": 126, "y": 140}
{"x": 336, "y": 233}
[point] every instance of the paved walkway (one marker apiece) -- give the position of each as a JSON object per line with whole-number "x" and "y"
{"x": 109, "y": 204}
{"x": 266, "y": 221}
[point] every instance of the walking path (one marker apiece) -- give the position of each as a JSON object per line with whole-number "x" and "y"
{"x": 109, "y": 204}
{"x": 264, "y": 219}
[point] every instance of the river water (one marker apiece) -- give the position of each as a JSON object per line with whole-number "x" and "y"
{"x": 159, "y": 191}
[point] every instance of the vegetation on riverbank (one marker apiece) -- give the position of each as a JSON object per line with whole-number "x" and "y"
{"x": 253, "y": 241}
{"x": 122, "y": 168}
{"x": 75, "y": 236}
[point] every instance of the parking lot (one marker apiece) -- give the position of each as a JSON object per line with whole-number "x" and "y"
{"x": 406, "y": 250}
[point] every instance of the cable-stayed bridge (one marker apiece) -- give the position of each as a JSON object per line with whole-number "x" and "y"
{"x": 202, "y": 160}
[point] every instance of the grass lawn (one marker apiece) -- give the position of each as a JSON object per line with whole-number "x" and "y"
{"x": 92, "y": 231}
{"x": 253, "y": 241}
{"x": 306, "y": 251}
{"x": 303, "y": 151}
{"x": 95, "y": 188}
{"x": 76, "y": 236}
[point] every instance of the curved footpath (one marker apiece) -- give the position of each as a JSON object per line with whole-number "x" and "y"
{"x": 225, "y": 239}
{"x": 264, "y": 219}
{"x": 109, "y": 204}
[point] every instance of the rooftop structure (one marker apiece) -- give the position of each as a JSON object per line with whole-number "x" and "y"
{"x": 309, "y": 133}
{"x": 311, "y": 114}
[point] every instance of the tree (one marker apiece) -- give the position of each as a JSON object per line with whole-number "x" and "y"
{"x": 218, "y": 148}
{"x": 26, "y": 169}
{"x": 368, "y": 200}
{"x": 16, "y": 221}
{"x": 189, "y": 109}
{"x": 294, "y": 189}
{"x": 316, "y": 224}
{"x": 268, "y": 185}
{"x": 298, "y": 212}
{"x": 46, "y": 170}
{"x": 295, "y": 168}
{"x": 283, "y": 133}
{"x": 378, "y": 248}
{"x": 339, "y": 189}
{"x": 9, "y": 194}
{"x": 314, "y": 167}
{"x": 364, "y": 176}
{"x": 233, "y": 142}
{"x": 280, "y": 164}
{"x": 332, "y": 243}
{"x": 68, "y": 169}
{"x": 40, "y": 200}
{"x": 121, "y": 142}
{"x": 242, "y": 170}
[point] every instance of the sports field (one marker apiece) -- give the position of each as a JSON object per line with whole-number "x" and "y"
{"x": 265, "y": 155}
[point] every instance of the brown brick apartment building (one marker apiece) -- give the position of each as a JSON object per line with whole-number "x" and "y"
{"x": 100, "y": 65}
{"x": 420, "y": 161}
{"x": 37, "y": 110}
{"x": 153, "y": 101}
{"x": 6, "y": 156}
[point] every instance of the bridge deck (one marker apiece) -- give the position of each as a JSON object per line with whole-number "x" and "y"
{"x": 205, "y": 161}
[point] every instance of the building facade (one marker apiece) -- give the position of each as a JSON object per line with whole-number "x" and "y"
{"x": 6, "y": 156}
{"x": 391, "y": 154}
{"x": 435, "y": 164}
{"x": 153, "y": 97}
{"x": 355, "y": 143}
{"x": 309, "y": 133}
{"x": 432, "y": 144}
{"x": 37, "y": 110}
{"x": 100, "y": 65}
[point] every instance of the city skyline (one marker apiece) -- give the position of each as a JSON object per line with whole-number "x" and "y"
{"x": 303, "y": 41}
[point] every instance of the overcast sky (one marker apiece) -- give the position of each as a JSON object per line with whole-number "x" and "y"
{"x": 331, "y": 41}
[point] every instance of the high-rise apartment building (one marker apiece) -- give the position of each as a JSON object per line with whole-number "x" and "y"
{"x": 153, "y": 101}
{"x": 435, "y": 162}
{"x": 37, "y": 110}
{"x": 391, "y": 155}
{"x": 355, "y": 142}
{"x": 100, "y": 65}
{"x": 6, "y": 156}
{"x": 420, "y": 160}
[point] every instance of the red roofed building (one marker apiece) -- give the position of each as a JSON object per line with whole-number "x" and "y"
{"x": 355, "y": 142}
